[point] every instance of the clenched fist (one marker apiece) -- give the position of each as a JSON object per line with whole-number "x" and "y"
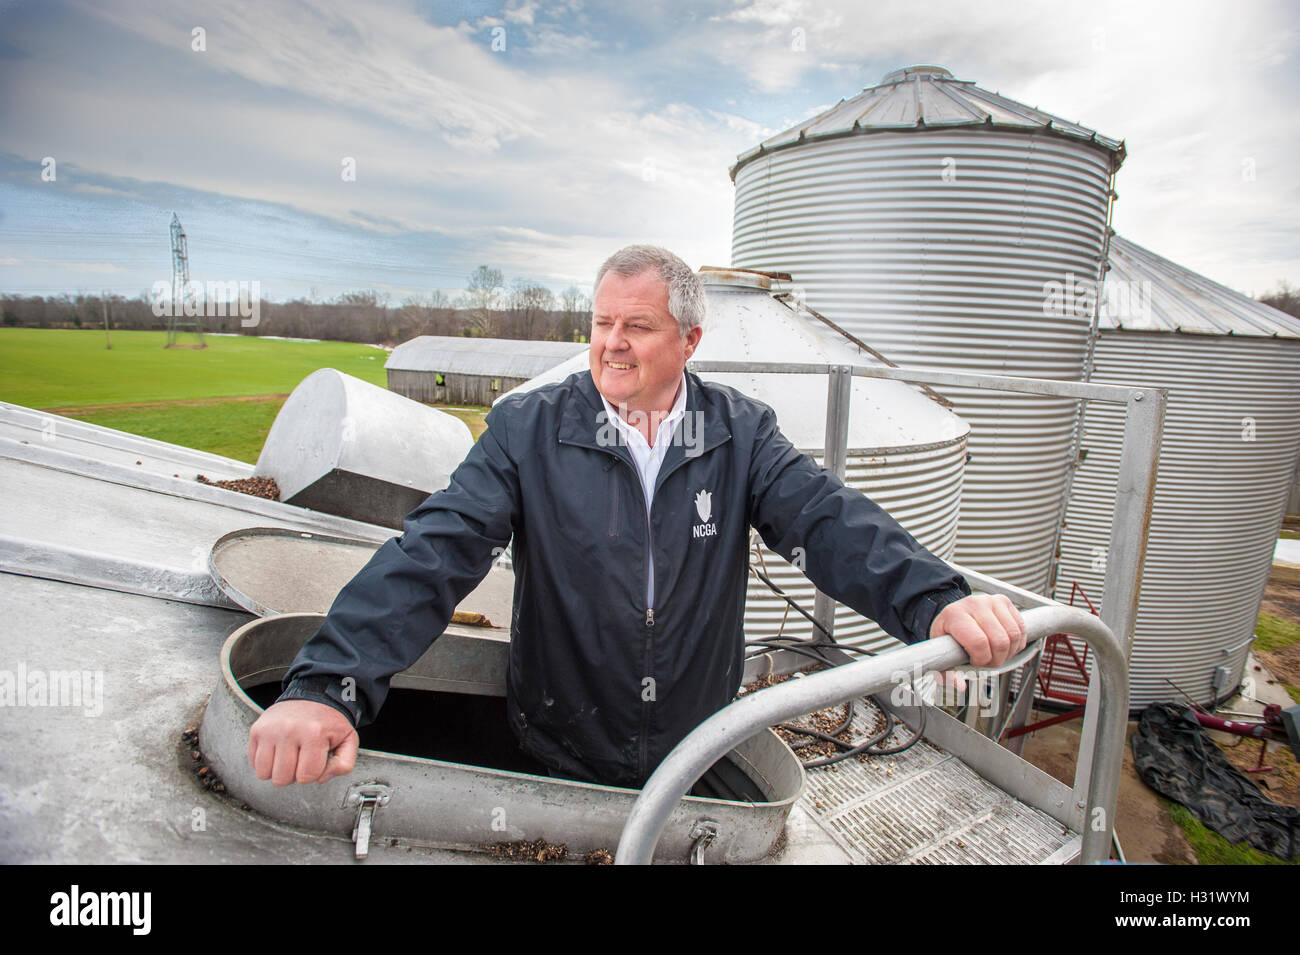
{"x": 302, "y": 741}
{"x": 988, "y": 627}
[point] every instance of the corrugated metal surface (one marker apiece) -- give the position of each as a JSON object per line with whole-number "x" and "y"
{"x": 1147, "y": 292}
{"x": 938, "y": 246}
{"x": 905, "y": 450}
{"x": 498, "y": 357}
{"x": 1232, "y": 434}
{"x": 924, "y": 97}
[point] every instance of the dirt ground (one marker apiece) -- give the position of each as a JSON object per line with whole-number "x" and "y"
{"x": 1146, "y": 832}
{"x": 1282, "y": 596}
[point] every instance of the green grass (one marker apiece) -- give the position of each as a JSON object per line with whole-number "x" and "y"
{"x": 1274, "y": 633}
{"x": 184, "y": 396}
{"x": 49, "y": 368}
{"x": 235, "y": 429}
{"x": 1210, "y": 847}
{"x": 1290, "y": 535}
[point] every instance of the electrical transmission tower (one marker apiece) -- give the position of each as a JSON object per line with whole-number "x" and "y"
{"x": 182, "y": 293}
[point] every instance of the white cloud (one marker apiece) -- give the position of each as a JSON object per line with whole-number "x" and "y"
{"x": 376, "y": 59}
{"x": 546, "y": 147}
{"x": 521, "y": 12}
{"x": 767, "y": 12}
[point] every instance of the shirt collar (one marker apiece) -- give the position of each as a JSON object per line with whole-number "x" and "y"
{"x": 669, "y": 421}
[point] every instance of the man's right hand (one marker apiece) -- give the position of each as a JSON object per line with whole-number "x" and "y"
{"x": 302, "y": 741}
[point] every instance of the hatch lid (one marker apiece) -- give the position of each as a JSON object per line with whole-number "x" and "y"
{"x": 275, "y": 570}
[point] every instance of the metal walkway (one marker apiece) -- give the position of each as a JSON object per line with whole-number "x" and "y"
{"x": 924, "y": 806}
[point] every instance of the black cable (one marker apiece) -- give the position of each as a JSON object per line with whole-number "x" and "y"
{"x": 867, "y": 746}
{"x": 832, "y": 736}
{"x": 907, "y": 744}
{"x": 786, "y": 597}
{"x": 804, "y": 648}
{"x": 863, "y": 747}
{"x": 788, "y": 643}
{"x": 802, "y": 651}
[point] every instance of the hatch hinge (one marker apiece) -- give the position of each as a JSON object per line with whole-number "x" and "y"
{"x": 702, "y": 834}
{"x": 366, "y": 798}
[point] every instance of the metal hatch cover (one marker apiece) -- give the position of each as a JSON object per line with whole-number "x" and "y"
{"x": 274, "y": 570}
{"x": 402, "y": 799}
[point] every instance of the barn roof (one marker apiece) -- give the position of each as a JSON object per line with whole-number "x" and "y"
{"x": 498, "y": 357}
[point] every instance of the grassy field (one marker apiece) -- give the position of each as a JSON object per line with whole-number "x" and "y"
{"x": 222, "y": 399}
{"x": 56, "y": 368}
{"x": 232, "y": 428}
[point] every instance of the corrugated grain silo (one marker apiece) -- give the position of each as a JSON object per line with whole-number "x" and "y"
{"x": 906, "y": 450}
{"x": 930, "y": 218}
{"x": 1232, "y": 434}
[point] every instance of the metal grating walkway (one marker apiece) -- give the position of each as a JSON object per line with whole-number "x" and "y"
{"x": 925, "y": 806}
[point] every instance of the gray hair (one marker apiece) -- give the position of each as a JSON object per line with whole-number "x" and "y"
{"x": 686, "y": 301}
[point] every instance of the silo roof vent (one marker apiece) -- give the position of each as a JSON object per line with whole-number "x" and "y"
{"x": 897, "y": 76}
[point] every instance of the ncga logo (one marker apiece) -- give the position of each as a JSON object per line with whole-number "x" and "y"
{"x": 215, "y": 300}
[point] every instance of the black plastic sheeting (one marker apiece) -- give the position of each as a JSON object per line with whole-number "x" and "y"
{"x": 1176, "y": 759}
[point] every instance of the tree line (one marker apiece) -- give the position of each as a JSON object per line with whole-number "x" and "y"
{"x": 489, "y": 308}
{"x": 1285, "y": 299}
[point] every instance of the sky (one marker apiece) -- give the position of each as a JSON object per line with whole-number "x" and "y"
{"x": 342, "y": 145}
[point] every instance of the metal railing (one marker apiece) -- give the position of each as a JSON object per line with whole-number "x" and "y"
{"x": 1097, "y": 770}
{"x": 734, "y": 724}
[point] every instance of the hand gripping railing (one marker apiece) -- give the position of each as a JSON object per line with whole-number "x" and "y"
{"x": 716, "y": 736}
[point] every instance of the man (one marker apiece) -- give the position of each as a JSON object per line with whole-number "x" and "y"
{"x": 630, "y": 554}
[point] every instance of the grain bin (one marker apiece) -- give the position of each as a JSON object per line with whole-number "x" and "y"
{"x": 1232, "y": 434}
{"x": 905, "y": 449}
{"x": 930, "y": 218}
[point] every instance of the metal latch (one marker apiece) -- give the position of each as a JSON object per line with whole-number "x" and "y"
{"x": 366, "y": 798}
{"x": 702, "y": 833}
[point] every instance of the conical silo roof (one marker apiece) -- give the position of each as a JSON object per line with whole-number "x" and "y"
{"x": 920, "y": 97}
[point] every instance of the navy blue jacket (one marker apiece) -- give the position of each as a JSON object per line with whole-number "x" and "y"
{"x": 600, "y": 686}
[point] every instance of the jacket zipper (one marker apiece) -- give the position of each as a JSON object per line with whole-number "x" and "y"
{"x": 648, "y": 662}
{"x": 644, "y": 760}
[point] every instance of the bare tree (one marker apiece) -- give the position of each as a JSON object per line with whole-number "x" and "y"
{"x": 531, "y": 305}
{"x": 1285, "y": 299}
{"x": 426, "y": 315}
{"x": 575, "y": 317}
{"x": 483, "y": 296}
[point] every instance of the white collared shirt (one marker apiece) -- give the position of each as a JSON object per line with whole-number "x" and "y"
{"x": 649, "y": 460}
